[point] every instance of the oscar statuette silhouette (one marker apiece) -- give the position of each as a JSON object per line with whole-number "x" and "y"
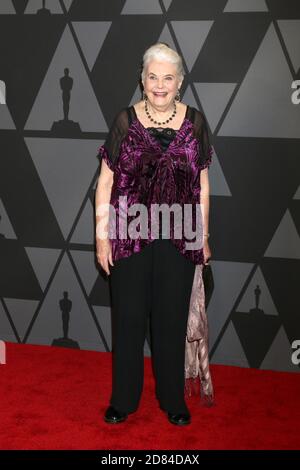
{"x": 65, "y": 342}
{"x": 66, "y": 127}
{"x": 43, "y": 12}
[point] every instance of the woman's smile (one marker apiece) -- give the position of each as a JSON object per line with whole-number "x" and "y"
{"x": 160, "y": 93}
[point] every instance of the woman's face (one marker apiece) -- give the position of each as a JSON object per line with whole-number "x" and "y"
{"x": 161, "y": 84}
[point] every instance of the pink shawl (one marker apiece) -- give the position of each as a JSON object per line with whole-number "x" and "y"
{"x": 197, "y": 373}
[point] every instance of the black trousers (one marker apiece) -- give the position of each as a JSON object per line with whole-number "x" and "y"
{"x": 158, "y": 282}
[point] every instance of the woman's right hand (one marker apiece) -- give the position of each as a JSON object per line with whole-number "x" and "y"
{"x": 104, "y": 254}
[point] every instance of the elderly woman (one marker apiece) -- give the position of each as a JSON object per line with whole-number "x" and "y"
{"x": 157, "y": 153}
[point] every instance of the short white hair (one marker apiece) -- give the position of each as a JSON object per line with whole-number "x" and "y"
{"x": 162, "y": 52}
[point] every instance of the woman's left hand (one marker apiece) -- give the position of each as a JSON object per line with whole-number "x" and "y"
{"x": 206, "y": 252}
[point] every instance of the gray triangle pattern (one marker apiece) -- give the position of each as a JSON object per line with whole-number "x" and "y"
{"x": 279, "y": 355}
{"x": 218, "y": 184}
{"x": 167, "y": 4}
{"x": 286, "y": 241}
{"x": 6, "y": 228}
{"x": 91, "y": 36}
{"x": 265, "y": 92}
{"x": 68, "y": 3}
{"x": 246, "y": 6}
{"x": 42, "y": 270}
{"x": 7, "y": 333}
{"x": 141, "y": 7}
{"x": 214, "y": 98}
{"x": 7, "y": 8}
{"x": 290, "y": 30}
{"x": 6, "y": 121}
{"x": 21, "y": 312}
{"x": 230, "y": 350}
{"x": 136, "y": 96}
{"x": 86, "y": 266}
{"x": 191, "y": 36}
{"x": 84, "y": 231}
{"x": 225, "y": 294}
{"x": 189, "y": 97}
{"x": 66, "y": 168}
{"x": 297, "y": 194}
{"x": 166, "y": 36}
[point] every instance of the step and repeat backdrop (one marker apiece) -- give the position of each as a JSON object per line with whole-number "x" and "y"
{"x": 67, "y": 67}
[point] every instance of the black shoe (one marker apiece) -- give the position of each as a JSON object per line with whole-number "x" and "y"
{"x": 179, "y": 418}
{"x": 112, "y": 415}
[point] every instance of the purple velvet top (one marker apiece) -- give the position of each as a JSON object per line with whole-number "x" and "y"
{"x": 147, "y": 172}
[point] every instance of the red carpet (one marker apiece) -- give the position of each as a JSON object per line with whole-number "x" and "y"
{"x": 54, "y": 398}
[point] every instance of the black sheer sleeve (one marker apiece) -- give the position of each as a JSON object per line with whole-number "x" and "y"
{"x": 204, "y": 146}
{"x": 109, "y": 150}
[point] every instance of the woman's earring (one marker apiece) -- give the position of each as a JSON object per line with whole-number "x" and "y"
{"x": 177, "y": 97}
{"x": 144, "y": 97}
